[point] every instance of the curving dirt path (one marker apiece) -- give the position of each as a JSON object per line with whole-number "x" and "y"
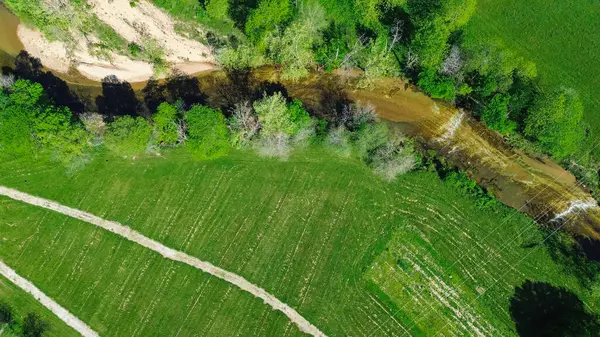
{"x": 46, "y": 301}
{"x": 168, "y": 253}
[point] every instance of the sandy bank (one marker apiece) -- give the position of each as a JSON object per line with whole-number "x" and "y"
{"x": 136, "y": 24}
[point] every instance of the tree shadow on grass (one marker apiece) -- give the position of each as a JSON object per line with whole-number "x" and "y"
{"x": 540, "y": 309}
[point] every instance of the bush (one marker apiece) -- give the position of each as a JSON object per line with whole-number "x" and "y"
{"x": 555, "y": 122}
{"x": 436, "y": 85}
{"x": 128, "y": 136}
{"x": 207, "y": 136}
{"x": 243, "y": 57}
{"x": 165, "y": 123}
{"x": 274, "y": 116}
{"x": 460, "y": 180}
{"x": 495, "y": 115}
{"x": 274, "y": 145}
{"x": 6, "y": 313}
{"x": 339, "y": 141}
{"x": 370, "y": 138}
{"x": 217, "y": 9}
{"x": 394, "y": 158}
{"x": 243, "y": 124}
{"x": 34, "y": 326}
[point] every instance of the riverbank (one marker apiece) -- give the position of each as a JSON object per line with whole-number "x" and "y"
{"x": 139, "y": 25}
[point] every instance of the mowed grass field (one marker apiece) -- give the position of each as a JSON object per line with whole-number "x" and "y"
{"x": 561, "y": 37}
{"x": 23, "y": 303}
{"x": 322, "y": 234}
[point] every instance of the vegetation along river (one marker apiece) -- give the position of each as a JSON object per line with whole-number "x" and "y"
{"x": 534, "y": 185}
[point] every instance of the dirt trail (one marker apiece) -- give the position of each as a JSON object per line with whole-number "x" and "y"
{"x": 46, "y": 301}
{"x": 168, "y": 253}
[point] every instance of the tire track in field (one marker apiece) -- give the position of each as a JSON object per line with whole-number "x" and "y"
{"x": 47, "y": 302}
{"x": 168, "y": 253}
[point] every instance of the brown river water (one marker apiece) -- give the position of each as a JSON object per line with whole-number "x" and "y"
{"x": 534, "y": 185}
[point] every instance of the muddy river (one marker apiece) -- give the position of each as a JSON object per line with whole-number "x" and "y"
{"x": 534, "y": 185}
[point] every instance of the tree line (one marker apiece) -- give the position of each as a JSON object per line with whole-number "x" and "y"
{"x": 420, "y": 40}
{"x": 31, "y": 125}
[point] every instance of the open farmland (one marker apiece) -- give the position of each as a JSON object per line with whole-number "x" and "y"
{"x": 561, "y": 37}
{"x": 313, "y": 231}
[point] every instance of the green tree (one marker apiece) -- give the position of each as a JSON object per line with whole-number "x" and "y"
{"x": 217, "y": 9}
{"x": 270, "y": 15}
{"x": 369, "y": 138}
{"x": 453, "y": 13}
{"x": 6, "y": 313}
{"x": 128, "y": 136}
{"x": 555, "y": 122}
{"x": 495, "y": 114}
{"x": 430, "y": 43}
{"x": 377, "y": 62}
{"x": 29, "y": 124}
{"x": 55, "y": 132}
{"x": 436, "y": 85}
{"x": 207, "y": 135}
{"x": 275, "y": 116}
{"x": 299, "y": 116}
{"x": 165, "y": 122}
{"x": 34, "y": 326}
{"x": 294, "y": 49}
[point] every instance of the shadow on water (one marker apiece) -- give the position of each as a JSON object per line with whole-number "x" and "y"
{"x": 117, "y": 99}
{"x": 176, "y": 87}
{"x": 540, "y": 309}
{"x": 58, "y": 90}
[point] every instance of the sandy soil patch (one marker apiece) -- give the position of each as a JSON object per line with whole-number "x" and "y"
{"x": 136, "y": 24}
{"x": 143, "y": 21}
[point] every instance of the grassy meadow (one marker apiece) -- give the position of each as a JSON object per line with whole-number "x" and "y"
{"x": 22, "y": 303}
{"x": 322, "y": 234}
{"x": 561, "y": 37}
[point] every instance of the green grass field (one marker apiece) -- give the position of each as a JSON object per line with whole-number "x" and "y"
{"x": 23, "y": 303}
{"x": 561, "y": 37}
{"x": 322, "y": 234}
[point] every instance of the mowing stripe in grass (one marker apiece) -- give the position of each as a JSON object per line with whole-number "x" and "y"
{"x": 46, "y": 301}
{"x": 168, "y": 253}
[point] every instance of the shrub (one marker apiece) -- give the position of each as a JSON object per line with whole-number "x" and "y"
{"x": 274, "y": 116}
{"x": 274, "y": 145}
{"x": 207, "y": 136}
{"x": 370, "y": 138}
{"x": 6, "y": 313}
{"x": 34, "y": 326}
{"x": 495, "y": 115}
{"x": 217, "y": 9}
{"x": 243, "y": 57}
{"x": 394, "y": 158}
{"x": 339, "y": 141}
{"x": 165, "y": 123}
{"x": 436, "y": 85}
{"x": 461, "y": 180}
{"x": 128, "y": 136}
{"x": 243, "y": 124}
{"x": 555, "y": 122}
